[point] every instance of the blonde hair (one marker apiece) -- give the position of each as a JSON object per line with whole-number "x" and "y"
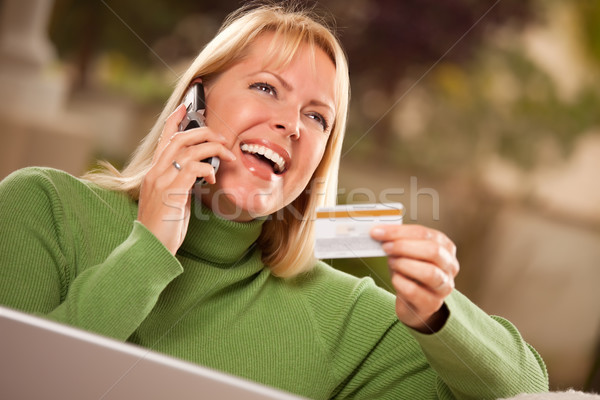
{"x": 287, "y": 237}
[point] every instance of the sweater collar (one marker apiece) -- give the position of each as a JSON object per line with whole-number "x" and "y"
{"x": 218, "y": 240}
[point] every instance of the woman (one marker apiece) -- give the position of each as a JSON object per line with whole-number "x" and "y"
{"x": 225, "y": 276}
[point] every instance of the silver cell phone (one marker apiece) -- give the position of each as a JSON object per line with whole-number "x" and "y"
{"x": 194, "y": 118}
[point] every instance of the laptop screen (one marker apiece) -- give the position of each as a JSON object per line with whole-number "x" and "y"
{"x": 45, "y": 359}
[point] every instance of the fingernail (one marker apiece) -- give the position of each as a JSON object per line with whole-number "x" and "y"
{"x": 387, "y": 246}
{"x": 377, "y": 232}
{"x": 233, "y": 157}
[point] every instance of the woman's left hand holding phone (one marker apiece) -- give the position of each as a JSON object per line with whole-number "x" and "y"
{"x": 165, "y": 195}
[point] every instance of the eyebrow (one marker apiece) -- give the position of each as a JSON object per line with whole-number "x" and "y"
{"x": 287, "y": 86}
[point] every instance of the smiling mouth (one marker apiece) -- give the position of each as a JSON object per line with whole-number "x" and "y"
{"x": 266, "y": 155}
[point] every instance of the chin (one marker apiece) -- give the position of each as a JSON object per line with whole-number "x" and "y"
{"x": 243, "y": 203}
{"x": 249, "y": 209}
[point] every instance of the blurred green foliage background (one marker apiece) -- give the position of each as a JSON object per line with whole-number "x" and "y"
{"x": 434, "y": 83}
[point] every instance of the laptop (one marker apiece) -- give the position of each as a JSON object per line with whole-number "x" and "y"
{"x": 41, "y": 359}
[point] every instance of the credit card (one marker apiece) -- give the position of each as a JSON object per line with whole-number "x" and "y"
{"x": 343, "y": 231}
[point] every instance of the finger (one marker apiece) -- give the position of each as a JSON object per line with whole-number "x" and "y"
{"x": 191, "y": 171}
{"x": 171, "y": 126}
{"x": 180, "y": 171}
{"x": 204, "y": 151}
{"x": 385, "y": 233}
{"x": 186, "y": 139}
{"x": 195, "y": 136}
{"x": 425, "y": 274}
{"x": 187, "y": 159}
{"x": 177, "y": 176}
{"x": 415, "y": 297}
{"x": 424, "y": 250}
{"x": 174, "y": 187}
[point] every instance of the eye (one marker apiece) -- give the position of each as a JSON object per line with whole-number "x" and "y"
{"x": 264, "y": 87}
{"x": 319, "y": 119}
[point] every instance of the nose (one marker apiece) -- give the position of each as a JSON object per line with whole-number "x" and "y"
{"x": 288, "y": 124}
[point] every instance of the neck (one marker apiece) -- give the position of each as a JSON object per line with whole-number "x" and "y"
{"x": 216, "y": 238}
{"x": 222, "y": 204}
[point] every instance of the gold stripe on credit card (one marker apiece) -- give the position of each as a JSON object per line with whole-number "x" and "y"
{"x": 359, "y": 213}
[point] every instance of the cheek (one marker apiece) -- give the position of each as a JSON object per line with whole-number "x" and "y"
{"x": 315, "y": 151}
{"x": 313, "y": 154}
{"x": 232, "y": 116}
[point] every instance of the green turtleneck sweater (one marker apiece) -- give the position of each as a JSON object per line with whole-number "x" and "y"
{"x": 74, "y": 252}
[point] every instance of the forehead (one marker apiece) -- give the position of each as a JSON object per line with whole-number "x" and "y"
{"x": 296, "y": 59}
{"x": 280, "y": 49}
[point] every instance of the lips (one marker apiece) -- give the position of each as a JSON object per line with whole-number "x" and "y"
{"x": 264, "y": 158}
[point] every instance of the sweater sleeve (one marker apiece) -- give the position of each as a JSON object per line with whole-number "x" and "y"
{"x": 481, "y": 357}
{"x": 474, "y": 356}
{"x": 374, "y": 355}
{"x": 39, "y": 271}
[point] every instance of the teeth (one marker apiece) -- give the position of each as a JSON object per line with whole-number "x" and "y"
{"x": 267, "y": 153}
